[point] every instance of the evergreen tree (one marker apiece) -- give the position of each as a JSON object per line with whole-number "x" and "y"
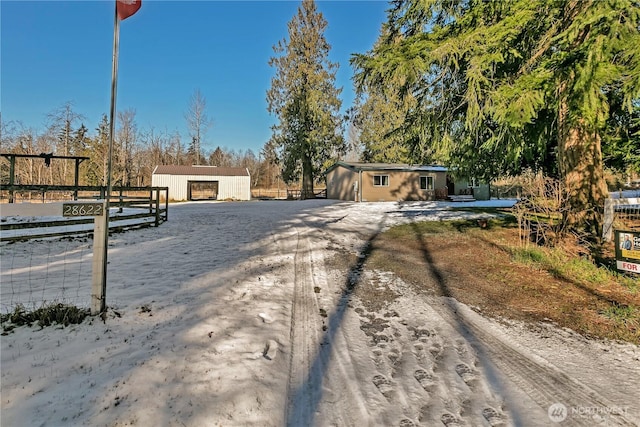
{"x": 61, "y": 129}
{"x": 79, "y": 142}
{"x": 97, "y": 151}
{"x": 380, "y": 114}
{"x": 379, "y": 117}
{"x": 194, "y": 155}
{"x": 503, "y": 85}
{"x": 621, "y": 141}
{"x": 218, "y": 157}
{"x": 304, "y": 99}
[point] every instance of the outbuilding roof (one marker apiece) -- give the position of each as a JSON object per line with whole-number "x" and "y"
{"x": 359, "y": 166}
{"x": 199, "y": 170}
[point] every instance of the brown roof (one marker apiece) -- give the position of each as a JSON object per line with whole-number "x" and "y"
{"x": 360, "y": 166}
{"x": 199, "y": 170}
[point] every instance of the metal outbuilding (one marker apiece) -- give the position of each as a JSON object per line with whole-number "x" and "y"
{"x": 203, "y": 182}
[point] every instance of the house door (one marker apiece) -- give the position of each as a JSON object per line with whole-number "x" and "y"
{"x": 451, "y": 186}
{"x": 202, "y": 190}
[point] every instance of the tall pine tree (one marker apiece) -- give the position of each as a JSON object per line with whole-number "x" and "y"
{"x": 379, "y": 115}
{"x": 97, "y": 150}
{"x": 503, "y": 85}
{"x": 305, "y": 100}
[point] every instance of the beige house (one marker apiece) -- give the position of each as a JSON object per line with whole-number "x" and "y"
{"x": 373, "y": 182}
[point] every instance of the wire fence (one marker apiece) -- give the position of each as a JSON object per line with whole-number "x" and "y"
{"x": 38, "y": 273}
{"x": 621, "y": 213}
{"x": 48, "y": 259}
{"x": 627, "y": 216}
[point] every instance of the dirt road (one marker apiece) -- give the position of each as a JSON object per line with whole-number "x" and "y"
{"x": 411, "y": 358}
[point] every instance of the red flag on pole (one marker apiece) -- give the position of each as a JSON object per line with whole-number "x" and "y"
{"x": 126, "y": 8}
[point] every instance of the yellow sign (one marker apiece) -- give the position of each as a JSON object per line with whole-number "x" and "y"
{"x": 630, "y": 254}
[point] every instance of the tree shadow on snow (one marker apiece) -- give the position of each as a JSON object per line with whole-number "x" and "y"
{"x": 305, "y": 399}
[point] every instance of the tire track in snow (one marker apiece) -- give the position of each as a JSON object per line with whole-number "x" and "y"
{"x": 342, "y": 400}
{"x": 455, "y": 345}
{"x": 323, "y": 378}
{"x": 543, "y": 382}
{"x": 304, "y": 388}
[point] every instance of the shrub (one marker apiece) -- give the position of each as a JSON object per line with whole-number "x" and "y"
{"x": 47, "y": 315}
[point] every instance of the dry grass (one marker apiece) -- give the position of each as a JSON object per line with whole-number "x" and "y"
{"x": 47, "y": 315}
{"x": 490, "y": 269}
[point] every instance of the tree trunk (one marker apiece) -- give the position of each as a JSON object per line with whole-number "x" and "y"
{"x": 581, "y": 166}
{"x": 307, "y": 178}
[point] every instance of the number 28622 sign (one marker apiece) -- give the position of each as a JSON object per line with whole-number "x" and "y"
{"x": 82, "y": 209}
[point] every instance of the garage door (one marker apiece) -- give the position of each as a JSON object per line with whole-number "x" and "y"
{"x": 202, "y": 190}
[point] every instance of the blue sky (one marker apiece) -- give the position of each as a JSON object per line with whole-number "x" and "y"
{"x": 53, "y": 52}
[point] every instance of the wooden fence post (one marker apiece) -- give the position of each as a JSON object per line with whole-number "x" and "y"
{"x": 157, "y": 203}
{"x": 98, "y": 304}
{"x": 120, "y": 197}
{"x": 166, "y": 203}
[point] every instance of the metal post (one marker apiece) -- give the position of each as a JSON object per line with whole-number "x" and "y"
{"x": 112, "y": 115}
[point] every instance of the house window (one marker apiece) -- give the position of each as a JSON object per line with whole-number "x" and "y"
{"x": 380, "y": 180}
{"x": 426, "y": 183}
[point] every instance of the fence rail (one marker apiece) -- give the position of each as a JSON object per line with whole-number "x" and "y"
{"x": 505, "y": 191}
{"x": 132, "y": 207}
{"x": 297, "y": 194}
{"x": 620, "y": 213}
{"x": 268, "y": 193}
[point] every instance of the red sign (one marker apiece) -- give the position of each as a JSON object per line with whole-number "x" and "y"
{"x": 126, "y": 8}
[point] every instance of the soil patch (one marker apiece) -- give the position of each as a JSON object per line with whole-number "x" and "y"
{"x": 479, "y": 267}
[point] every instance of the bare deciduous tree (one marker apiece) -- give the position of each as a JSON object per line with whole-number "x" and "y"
{"x": 60, "y": 129}
{"x": 541, "y": 209}
{"x": 198, "y": 122}
{"x": 127, "y": 136}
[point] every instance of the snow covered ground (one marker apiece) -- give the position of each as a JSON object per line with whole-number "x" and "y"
{"x": 230, "y": 314}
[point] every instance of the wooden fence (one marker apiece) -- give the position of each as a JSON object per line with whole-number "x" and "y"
{"x": 297, "y": 194}
{"x": 268, "y": 193}
{"x": 505, "y": 191}
{"x": 135, "y": 207}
